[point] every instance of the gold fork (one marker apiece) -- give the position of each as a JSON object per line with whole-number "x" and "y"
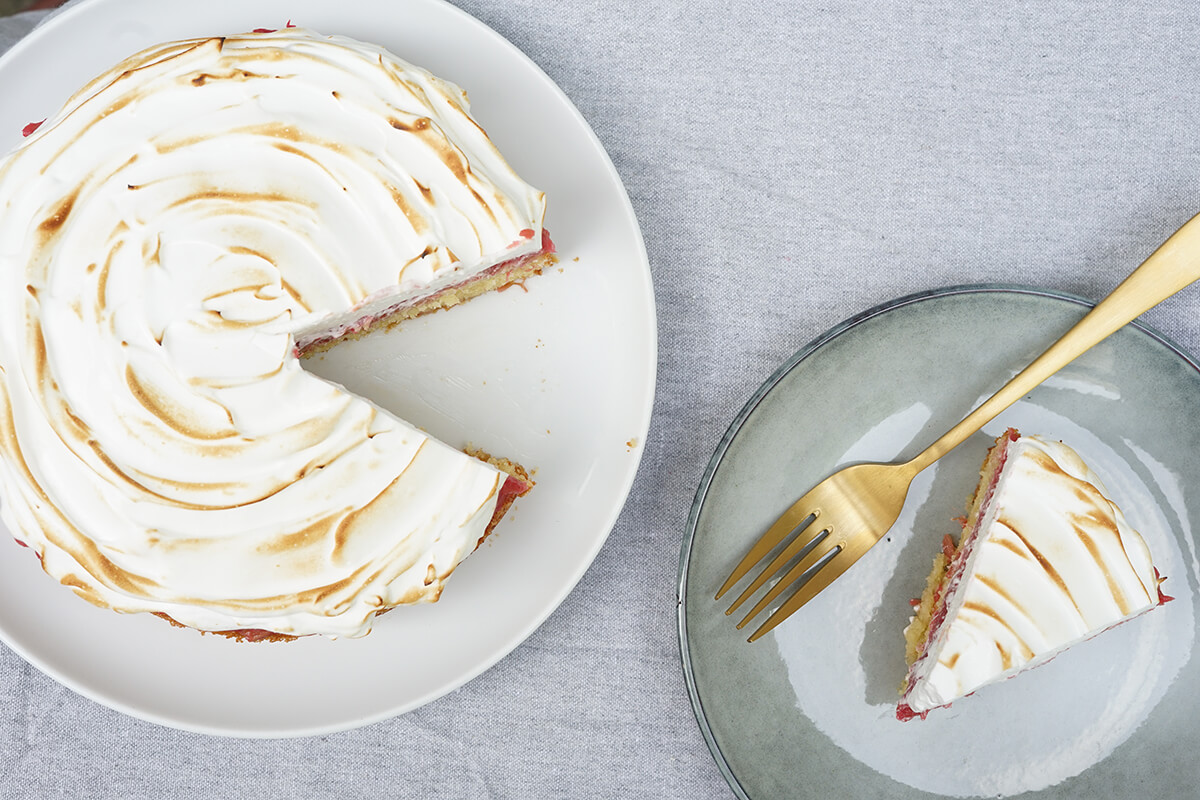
{"x": 852, "y": 509}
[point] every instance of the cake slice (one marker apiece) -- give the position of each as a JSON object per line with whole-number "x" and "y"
{"x": 1046, "y": 560}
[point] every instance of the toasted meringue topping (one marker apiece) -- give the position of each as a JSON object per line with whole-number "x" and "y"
{"x": 167, "y": 241}
{"x": 1053, "y": 563}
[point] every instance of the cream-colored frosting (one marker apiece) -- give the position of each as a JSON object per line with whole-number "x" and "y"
{"x": 1054, "y": 563}
{"x": 166, "y": 242}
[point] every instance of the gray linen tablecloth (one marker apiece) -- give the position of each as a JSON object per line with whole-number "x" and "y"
{"x": 791, "y": 165}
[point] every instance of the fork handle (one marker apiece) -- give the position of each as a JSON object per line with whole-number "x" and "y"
{"x": 1172, "y": 267}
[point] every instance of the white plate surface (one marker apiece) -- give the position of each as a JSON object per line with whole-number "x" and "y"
{"x": 559, "y": 377}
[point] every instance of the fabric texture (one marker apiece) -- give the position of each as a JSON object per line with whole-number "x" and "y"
{"x": 791, "y": 165}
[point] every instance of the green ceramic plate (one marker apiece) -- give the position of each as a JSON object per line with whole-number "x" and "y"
{"x": 808, "y": 711}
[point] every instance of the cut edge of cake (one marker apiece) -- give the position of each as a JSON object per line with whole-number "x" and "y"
{"x": 517, "y": 481}
{"x": 497, "y": 278}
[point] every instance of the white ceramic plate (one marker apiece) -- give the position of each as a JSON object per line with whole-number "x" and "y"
{"x": 581, "y": 337}
{"x": 809, "y": 710}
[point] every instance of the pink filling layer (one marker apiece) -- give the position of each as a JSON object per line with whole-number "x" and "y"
{"x": 513, "y": 488}
{"x": 954, "y": 574}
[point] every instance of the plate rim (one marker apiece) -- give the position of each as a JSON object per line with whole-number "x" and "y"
{"x": 768, "y": 385}
{"x": 641, "y": 279}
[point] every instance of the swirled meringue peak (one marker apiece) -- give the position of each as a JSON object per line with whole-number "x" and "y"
{"x": 169, "y": 241}
{"x": 1047, "y": 560}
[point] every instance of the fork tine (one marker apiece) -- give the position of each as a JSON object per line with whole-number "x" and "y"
{"x": 788, "y": 522}
{"x": 805, "y": 540}
{"x": 825, "y": 575}
{"x": 826, "y": 546}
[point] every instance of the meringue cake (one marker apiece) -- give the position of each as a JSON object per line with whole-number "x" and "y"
{"x": 1046, "y": 560}
{"x": 187, "y": 227}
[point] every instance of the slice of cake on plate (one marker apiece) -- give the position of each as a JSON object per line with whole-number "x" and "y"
{"x": 171, "y": 241}
{"x": 1046, "y": 560}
